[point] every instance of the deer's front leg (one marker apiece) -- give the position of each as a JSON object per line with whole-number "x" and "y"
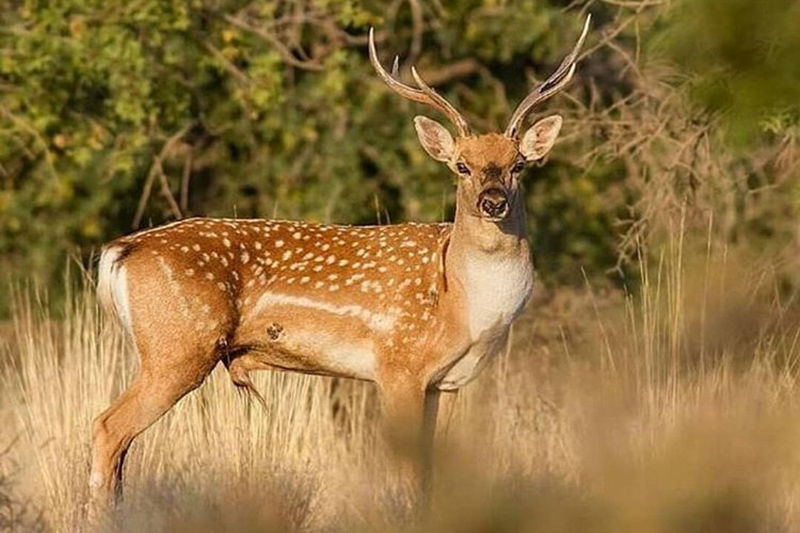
{"x": 409, "y": 411}
{"x": 444, "y": 416}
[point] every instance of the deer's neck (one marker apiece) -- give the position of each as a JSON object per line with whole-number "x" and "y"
{"x": 491, "y": 264}
{"x": 474, "y": 234}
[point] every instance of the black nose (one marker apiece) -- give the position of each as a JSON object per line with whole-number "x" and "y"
{"x": 493, "y": 203}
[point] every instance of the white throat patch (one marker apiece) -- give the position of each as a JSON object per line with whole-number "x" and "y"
{"x": 497, "y": 290}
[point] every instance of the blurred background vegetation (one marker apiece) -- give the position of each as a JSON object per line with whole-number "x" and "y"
{"x": 122, "y": 115}
{"x": 671, "y": 407}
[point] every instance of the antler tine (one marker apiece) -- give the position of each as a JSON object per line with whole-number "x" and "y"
{"x": 553, "y": 85}
{"x": 424, "y": 95}
{"x": 445, "y": 106}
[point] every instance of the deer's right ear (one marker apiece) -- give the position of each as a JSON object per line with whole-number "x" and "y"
{"x": 436, "y": 140}
{"x": 539, "y": 139}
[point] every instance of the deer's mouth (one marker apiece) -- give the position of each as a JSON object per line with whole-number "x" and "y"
{"x": 493, "y": 204}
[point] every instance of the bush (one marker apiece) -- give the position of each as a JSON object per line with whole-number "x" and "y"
{"x": 116, "y": 116}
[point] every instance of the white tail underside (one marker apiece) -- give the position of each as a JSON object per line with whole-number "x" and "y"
{"x": 112, "y": 286}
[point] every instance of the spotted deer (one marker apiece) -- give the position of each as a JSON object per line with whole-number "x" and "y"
{"x": 418, "y": 309}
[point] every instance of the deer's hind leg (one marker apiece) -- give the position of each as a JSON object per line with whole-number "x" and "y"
{"x": 178, "y": 346}
{"x": 153, "y": 392}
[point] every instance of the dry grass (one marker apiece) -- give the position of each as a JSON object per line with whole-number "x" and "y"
{"x": 672, "y": 410}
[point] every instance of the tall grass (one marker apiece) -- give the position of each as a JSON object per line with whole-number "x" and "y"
{"x": 671, "y": 409}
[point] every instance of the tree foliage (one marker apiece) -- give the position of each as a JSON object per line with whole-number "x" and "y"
{"x": 117, "y": 115}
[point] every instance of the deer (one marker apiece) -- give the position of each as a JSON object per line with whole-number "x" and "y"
{"x": 418, "y": 309}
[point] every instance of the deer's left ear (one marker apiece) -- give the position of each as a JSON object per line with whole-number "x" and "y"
{"x": 539, "y": 139}
{"x": 436, "y": 140}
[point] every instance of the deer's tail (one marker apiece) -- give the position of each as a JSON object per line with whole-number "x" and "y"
{"x": 112, "y": 284}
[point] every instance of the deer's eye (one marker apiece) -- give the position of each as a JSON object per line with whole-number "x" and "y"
{"x": 518, "y": 167}
{"x": 462, "y": 169}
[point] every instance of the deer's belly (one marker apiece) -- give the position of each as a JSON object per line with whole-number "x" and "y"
{"x": 314, "y": 352}
{"x": 312, "y": 341}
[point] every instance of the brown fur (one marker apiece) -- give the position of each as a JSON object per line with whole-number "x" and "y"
{"x": 194, "y": 290}
{"x": 416, "y": 308}
{"x": 480, "y": 151}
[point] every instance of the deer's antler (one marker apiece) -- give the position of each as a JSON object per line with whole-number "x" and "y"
{"x": 553, "y": 85}
{"x": 424, "y": 95}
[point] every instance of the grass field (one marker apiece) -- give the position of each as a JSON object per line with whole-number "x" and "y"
{"x": 673, "y": 408}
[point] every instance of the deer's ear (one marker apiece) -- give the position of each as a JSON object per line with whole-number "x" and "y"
{"x": 539, "y": 139}
{"x": 436, "y": 140}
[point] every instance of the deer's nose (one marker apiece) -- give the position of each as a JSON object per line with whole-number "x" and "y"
{"x": 493, "y": 203}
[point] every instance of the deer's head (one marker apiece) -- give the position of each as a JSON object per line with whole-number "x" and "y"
{"x": 488, "y": 165}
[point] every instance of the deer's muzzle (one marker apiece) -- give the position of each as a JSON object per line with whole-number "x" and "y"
{"x": 493, "y": 203}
